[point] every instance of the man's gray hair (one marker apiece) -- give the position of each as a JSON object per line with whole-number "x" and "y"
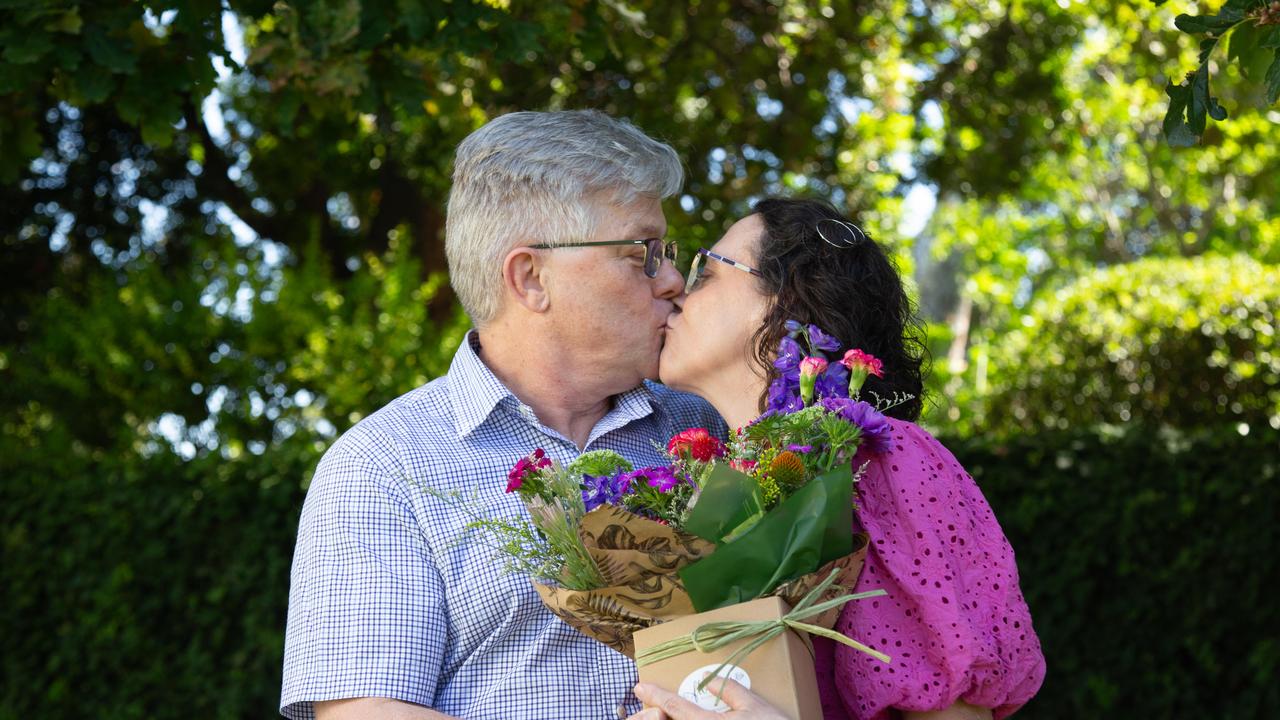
{"x": 542, "y": 177}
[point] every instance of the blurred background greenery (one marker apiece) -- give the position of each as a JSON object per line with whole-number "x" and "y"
{"x": 221, "y": 247}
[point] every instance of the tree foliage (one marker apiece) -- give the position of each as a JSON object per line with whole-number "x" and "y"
{"x": 1250, "y": 29}
{"x": 1161, "y": 342}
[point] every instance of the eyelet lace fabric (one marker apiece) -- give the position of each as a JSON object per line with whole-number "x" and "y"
{"x": 954, "y": 620}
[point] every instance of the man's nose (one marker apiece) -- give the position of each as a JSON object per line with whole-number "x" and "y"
{"x": 668, "y": 284}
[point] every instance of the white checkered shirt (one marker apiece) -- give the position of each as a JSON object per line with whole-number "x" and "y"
{"x": 385, "y": 603}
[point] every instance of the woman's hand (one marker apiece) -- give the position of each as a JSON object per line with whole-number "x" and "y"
{"x": 743, "y": 704}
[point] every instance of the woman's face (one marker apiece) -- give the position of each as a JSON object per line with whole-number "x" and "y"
{"x": 709, "y": 333}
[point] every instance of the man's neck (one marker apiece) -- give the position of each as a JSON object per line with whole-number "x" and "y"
{"x": 565, "y": 398}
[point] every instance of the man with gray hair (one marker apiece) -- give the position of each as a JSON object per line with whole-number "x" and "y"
{"x": 555, "y": 244}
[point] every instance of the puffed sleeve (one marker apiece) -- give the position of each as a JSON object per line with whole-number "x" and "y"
{"x": 954, "y": 620}
{"x": 366, "y": 604}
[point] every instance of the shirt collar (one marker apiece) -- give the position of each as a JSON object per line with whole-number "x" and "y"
{"x": 473, "y": 388}
{"x": 475, "y": 392}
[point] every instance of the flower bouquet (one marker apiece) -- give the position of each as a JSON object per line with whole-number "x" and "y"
{"x": 732, "y": 544}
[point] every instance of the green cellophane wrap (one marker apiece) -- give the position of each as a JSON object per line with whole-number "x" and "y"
{"x": 810, "y": 528}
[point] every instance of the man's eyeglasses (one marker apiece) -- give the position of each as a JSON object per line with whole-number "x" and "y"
{"x": 654, "y": 251}
{"x": 695, "y": 270}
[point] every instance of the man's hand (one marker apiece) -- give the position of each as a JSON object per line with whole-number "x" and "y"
{"x": 375, "y": 709}
{"x": 743, "y": 704}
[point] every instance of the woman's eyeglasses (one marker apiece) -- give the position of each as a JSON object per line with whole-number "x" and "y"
{"x": 695, "y": 270}
{"x": 654, "y": 251}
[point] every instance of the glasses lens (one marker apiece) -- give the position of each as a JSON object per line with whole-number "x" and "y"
{"x": 692, "y": 281}
{"x": 652, "y": 257}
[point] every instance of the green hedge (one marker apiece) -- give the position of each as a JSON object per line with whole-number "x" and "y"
{"x": 1145, "y": 558}
{"x": 159, "y": 589}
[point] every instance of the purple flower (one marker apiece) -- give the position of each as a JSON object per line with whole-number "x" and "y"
{"x": 833, "y": 383}
{"x": 784, "y": 394}
{"x": 660, "y": 477}
{"x": 600, "y": 490}
{"x": 821, "y": 340}
{"x": 789, "y": 355}
{"x": 877, "y": 434}
{"x": 800, "y": 448}
{"x": 794, "y": 328}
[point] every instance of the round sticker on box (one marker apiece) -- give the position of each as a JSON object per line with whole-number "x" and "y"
{"x": 706, "y": 698}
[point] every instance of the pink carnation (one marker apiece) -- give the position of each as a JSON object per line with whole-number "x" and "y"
{"x": 857, "y": 360}
{"x": 812, "y": 367}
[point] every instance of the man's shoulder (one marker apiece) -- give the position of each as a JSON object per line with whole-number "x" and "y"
{"x": 685, "y": 409}
{"x": 417, "y": 422}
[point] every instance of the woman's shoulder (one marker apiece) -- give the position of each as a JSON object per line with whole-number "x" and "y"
{"x": 919, "y": 480}
{"x": 917, "y": 452}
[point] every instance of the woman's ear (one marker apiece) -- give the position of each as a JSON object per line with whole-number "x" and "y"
{"x": 522, "y": 274}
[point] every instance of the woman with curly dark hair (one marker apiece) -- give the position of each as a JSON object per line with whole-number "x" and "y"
{"x": 954, "y": 618}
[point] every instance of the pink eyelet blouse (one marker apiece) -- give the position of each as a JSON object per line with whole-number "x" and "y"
{"x": 954, "y": 621}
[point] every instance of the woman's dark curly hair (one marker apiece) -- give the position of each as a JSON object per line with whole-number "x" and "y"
{"x": 854, "y": 293}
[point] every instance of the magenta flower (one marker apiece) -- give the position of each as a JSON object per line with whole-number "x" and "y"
{"x": 525, "y": 467}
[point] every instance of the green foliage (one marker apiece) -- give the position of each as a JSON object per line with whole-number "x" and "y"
{"x": 1145, "y": 559}
{"x": 1253, "y": 27}
{"x": 1182, "y": 343}
{"x": 598, "y": 462}
{"x": 145, "y": 587}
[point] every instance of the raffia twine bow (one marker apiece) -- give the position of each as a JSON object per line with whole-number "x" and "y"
{"x": 712, "y": 636}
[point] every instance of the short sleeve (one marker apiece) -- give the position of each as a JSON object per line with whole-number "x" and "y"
{"x": 954, "y": 621}
{"x": 366, "y": 603}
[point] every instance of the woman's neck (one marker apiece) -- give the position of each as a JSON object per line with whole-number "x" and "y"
{"x": 738, "y": 402}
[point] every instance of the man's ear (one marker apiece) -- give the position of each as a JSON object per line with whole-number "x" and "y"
{"x": 523, "y": 275}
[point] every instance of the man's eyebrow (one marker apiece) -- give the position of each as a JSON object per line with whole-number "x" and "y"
{"x": 646, "y": 232}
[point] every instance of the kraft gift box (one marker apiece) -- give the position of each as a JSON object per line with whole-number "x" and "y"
{"x": 781, "y": 670}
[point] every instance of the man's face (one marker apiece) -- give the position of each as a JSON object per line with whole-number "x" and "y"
{"x": 607, "y": 312}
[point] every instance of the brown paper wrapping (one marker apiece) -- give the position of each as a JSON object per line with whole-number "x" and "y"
{"x": 640, "y": 559}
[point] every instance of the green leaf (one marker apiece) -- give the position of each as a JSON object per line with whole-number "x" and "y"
{"x": 68, "y": 22}
{"x": 1244, "y": 46}
{"x": 1211, "y": 24}
{"x": 108, "y": 52}
{"x": 1273, "y": 80}
{"x": 1206, "y": 49}
{"x": 24, "y": 48}
{"x": 20, "y": 136}
{"x": 91, "y": 84}
{"x": 1176, "y": 130}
